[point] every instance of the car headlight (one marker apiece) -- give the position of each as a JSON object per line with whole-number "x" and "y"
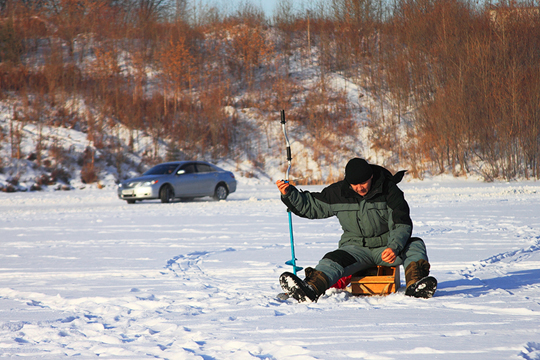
{"x": 149, "y": 183}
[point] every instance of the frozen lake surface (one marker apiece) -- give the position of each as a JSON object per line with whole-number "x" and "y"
{"x": 85, "y": 274}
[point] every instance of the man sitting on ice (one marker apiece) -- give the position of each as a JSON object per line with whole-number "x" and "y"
{"x": 377, "y": 230}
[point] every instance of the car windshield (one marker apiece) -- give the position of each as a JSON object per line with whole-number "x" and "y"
{"x": 163, "y": 169}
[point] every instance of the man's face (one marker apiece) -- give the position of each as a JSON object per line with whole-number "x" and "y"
{"x": 363, "y": 188}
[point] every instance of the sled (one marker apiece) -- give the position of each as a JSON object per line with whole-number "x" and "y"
{"x": 380, "y": 280}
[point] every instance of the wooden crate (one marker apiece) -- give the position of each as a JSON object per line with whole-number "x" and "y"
{"x": 380, "y": 280}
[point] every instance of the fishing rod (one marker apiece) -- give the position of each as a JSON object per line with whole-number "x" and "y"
{"x": 291, "y": 262}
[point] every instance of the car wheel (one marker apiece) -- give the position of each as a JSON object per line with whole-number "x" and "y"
{"x": 131, "y": 201}
{"x": 166, "y": 194}
{"x": 221, "y": 192}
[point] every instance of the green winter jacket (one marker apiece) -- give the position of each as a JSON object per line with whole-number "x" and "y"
{"x": 381, "y": 218}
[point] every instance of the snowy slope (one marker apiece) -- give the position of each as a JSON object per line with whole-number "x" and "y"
{"x": 84, "y": 274}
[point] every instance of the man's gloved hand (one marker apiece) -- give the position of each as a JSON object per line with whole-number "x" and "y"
{"x": 283, "y": 186}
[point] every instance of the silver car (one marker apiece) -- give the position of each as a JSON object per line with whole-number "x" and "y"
{"x": 179, "y": 179}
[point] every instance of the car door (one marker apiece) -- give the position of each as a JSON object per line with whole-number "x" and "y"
{"x": 185, "y": 181}
{"x": 206, "y": 179}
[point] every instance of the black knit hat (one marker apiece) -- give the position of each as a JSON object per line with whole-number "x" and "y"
{"x": 358, "y": 171}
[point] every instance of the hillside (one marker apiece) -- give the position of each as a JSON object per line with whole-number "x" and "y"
{"x": 92, "y": 93}
{"x": 65, "y": 152}
{"x": 64, "y": 145}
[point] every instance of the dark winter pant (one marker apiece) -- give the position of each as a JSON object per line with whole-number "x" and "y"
{"x": 352, "y": 258}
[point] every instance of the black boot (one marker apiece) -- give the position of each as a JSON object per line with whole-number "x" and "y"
{"x": 314, "y": 285}
{"x": 419, "y": 283}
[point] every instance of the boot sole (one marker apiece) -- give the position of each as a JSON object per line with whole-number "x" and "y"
{"x": 423, "y": 288}
{"x": 293, "y": 286}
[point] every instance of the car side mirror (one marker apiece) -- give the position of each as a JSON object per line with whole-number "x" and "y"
{"x": 180, "y": 172}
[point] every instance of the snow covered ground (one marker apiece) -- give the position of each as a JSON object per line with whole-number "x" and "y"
{"x": 84, "y": 274}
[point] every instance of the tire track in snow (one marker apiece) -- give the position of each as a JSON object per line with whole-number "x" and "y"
{"x": 196, "y": 267}
{"x": 515, "y": 277}
{"x": 184, "y": 263}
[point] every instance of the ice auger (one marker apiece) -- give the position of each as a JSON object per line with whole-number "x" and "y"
{"x": 291, "y": 262}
